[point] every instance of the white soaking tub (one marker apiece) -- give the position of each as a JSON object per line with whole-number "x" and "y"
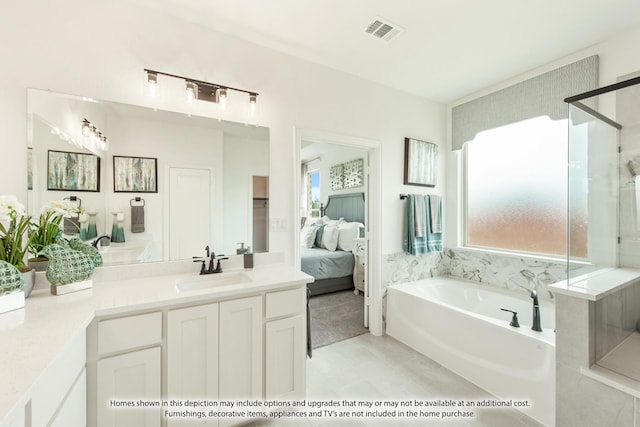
{"x": 459, "y": 324}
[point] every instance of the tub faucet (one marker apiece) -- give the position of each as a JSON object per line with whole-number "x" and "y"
{"x": 536, "y": 312}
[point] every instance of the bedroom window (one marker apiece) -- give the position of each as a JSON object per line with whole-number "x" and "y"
{"x": 313, "y": 194}
{"x": 516, "y": 188}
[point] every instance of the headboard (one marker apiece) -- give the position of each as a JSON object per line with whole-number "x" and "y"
{"x": 348, "y": 206}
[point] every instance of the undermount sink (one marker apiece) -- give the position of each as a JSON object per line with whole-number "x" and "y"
{"x": 212, "y": 280}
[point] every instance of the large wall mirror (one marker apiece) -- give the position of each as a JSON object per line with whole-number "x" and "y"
{"x": 175, "y": 183}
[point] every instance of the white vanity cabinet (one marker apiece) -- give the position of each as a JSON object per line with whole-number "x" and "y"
{"x": 214, "y": 352}
{"x": 285, "y": 343}
{"x": 125, "y": 371}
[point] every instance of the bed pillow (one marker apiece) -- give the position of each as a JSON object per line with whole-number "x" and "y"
{"x": 308, "y": 236}
{"x": 347, "y": 232}
{"x": 328, "y": 221}
{"x": 329, "y": 238}
{"x": 320, "y": 231}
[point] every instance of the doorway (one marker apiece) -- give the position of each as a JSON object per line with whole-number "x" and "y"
{"x": 260, "y": 215}
{"x": 372, "y": 234}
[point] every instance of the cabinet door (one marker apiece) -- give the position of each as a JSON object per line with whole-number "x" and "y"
{"x": 131, "y": 377}
{"x": 73, "y": 411}
{"x": 285, "y": 358}
{"x": 241, "y": 349}
{"x": 192, "y": 356}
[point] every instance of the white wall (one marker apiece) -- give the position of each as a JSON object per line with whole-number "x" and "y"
{"x": 99, "y": 49}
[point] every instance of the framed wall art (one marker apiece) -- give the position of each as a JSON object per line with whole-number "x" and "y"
{"x": 135, "y": 174}
{"x": 420, "y": 162}
{"x": 69, "y": 171}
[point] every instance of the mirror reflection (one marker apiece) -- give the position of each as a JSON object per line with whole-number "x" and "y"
{"x": 161, "y": 185}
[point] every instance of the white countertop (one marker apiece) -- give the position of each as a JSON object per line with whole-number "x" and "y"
{"x": 32, "y": 337}
{"x": 598, "y": 284}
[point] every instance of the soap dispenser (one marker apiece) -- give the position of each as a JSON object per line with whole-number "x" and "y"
{"x": 241, "y": 250}
{"x": 248, "y": 259}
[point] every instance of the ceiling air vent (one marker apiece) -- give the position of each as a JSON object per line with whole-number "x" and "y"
{"x": 383, "y": 29}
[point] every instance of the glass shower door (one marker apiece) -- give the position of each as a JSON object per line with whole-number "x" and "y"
{"x": 593, "y": 189}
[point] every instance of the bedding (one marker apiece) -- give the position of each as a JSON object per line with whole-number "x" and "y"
{"x": 329, "y": 259}
{"x": 324, "y": 264}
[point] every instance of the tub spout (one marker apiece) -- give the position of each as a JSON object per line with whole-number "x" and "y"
{"x": 536, "y": 312}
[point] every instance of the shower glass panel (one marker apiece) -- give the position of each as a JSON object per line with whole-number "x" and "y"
{"x": 593, "y": 190}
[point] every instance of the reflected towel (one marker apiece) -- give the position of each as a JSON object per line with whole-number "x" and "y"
{"x": 137, "y": 219}
{"x": 435, "y": 209}
{"x": 419, "y": 216}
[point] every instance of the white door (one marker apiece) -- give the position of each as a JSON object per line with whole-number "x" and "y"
{"x": 189, "y": 211}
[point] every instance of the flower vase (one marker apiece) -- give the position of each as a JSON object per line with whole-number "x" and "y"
{"x": 117, "y": 230}
{"x": 29, "y": 281}
{"x": 84, "y": 223}
{"x": 11, "y": 288}
{"x": 92, "y": 231}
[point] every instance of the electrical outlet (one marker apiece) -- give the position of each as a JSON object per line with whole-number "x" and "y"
{"x": 278, "y": 225}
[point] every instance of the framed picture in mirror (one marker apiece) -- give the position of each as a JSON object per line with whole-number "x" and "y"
{"x": 69, "y": 171}
{"x": 420, "y": 162}
{"x": 135, "y": 174}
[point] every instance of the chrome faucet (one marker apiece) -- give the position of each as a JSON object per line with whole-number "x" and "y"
{"x": 95, "y": 242}
{"x": 536, "y": 312}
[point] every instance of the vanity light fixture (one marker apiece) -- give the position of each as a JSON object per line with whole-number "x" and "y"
{"x": 152, "y": 81}
{"x": 97, "y": 138}
{"x": 200, "y": 90}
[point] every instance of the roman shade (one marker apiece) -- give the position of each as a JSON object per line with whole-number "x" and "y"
{"x": 542, "y": 95}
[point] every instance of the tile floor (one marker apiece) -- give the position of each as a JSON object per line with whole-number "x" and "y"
{"x": 381, "y": 368}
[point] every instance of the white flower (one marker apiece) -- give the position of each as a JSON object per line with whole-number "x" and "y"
{"x": 9, "y": 205}
{"x": 66, "y": 208}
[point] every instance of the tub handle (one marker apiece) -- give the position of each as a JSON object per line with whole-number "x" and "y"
{"x": 514, "y": 318}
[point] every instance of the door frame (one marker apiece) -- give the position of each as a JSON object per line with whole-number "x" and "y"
{"x": 373, "y": 232}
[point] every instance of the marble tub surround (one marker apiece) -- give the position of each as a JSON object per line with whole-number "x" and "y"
{"x": 49, "y": 323}
{"x": 519, "y": 274}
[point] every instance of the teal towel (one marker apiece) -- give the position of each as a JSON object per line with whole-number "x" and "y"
{"x": 430, "y": 242}
{"x": 434, "y": 240}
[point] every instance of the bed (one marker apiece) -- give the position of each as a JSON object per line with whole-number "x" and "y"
{"x": 333, "y": 267}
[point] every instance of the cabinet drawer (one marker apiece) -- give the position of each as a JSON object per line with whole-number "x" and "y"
{"x": 129, "y": 332}
{"x": 286, "y": 303}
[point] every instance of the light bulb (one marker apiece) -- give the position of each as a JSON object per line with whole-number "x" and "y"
{"x": 152, "y": 82}
{"x": 252, "y": 102}
{"x": 192, "y": 91}
{"x": 222, "y": 97}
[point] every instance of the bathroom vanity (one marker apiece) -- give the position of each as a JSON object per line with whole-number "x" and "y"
{"x": 105, "y": 356}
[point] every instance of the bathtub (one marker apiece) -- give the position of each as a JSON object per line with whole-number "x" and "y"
{"x": 459, "y": 324}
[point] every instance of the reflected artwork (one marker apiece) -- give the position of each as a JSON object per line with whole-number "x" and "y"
{"x": 135, "y": 174}
{"x": 73, "y": 171}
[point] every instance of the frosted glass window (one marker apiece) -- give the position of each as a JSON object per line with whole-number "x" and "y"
{"x": 516, "y": 187}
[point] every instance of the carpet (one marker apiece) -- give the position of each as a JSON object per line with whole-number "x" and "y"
{"x": 336, "y": 317}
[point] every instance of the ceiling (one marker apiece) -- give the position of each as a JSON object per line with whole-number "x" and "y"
{"x": 448, "y": 48}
